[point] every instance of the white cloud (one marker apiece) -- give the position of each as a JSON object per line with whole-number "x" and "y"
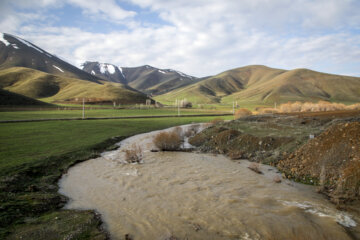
{"x": 106, "y": 9}
{"x": 206, "y": 36}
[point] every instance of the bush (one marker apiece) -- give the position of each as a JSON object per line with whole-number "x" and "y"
{"x": 133, "y": 155}
{"x": 168, "y": 141}
{"x": 267, "y": 110}
{"x": 316, "y": 107}
{"x": 242, "y": 112}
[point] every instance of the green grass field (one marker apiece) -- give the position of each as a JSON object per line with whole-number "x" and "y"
{"x": 26, "y": 142}
{"x": 52, "y": 114}
{"x": 34, "y": 155}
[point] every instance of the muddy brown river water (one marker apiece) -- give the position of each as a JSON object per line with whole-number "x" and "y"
{"x": 198, "y": 196}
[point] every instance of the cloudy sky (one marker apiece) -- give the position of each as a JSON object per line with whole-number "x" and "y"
{"x": 198, "y": 37}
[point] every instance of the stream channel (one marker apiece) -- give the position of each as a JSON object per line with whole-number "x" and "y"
{"x": 198, "y": 196}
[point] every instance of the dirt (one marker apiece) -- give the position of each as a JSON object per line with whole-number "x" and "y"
{"x": 331, "y": 160}
{"x": 314, "y": 148}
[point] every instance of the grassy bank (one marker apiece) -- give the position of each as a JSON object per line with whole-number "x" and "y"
{"x": 33, "y": 156}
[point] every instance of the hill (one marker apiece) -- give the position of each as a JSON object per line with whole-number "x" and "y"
{"x": 17, "y": 52}
{"x": 261, "y": 85}
{"x": 146, "y": 79}
{"x": 9, "y": 99}
{"x": 53, "y": 88}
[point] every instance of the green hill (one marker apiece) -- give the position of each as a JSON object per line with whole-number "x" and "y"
{"x": 261, "y": 85}
{"x": 53, "y": 88}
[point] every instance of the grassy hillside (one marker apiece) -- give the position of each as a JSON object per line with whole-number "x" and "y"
{"x": 260, "y": 85}
{"x": 40, "y": 85}
{"x": 9, "y": 98}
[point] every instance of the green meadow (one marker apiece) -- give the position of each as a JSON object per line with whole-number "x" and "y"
{"x": 94, "y": 112}
{"x": 34, "y": 155}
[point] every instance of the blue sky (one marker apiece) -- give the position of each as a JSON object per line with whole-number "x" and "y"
{"x": 198, "y": 37}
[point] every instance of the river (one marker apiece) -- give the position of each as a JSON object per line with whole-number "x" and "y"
{"x": 198, "y": 196}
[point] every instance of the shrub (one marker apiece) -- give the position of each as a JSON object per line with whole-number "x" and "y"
{"x": 267, "y": 110}
{"x": 168, "y": 141}
{"x": 315, "y": 107}
{"x": 133, "y": 155}
{"x": 179, "y": 131}
{"x": 242, "y": 112}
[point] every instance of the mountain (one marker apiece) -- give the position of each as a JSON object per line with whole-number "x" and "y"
{"x": 53, "y": 88}
{"x": 9, "y": 99}
{"x": 146, "y": 78}
{"x": 105, "y": 71}
{"x": 28, "y": 70}
{"x": 17, "y": 52}
{"x": 261, "y": 85}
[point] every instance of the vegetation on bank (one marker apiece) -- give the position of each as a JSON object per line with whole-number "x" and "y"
{"x": 33, "y": 156}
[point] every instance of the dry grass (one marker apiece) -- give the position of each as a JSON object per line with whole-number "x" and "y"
{"x": 321, "y": 106}
{"x": 267, "y": 110}
{"x": 168, "y": 141}
{"x": 133, "y": 155}
{"x": 242, "y": 112}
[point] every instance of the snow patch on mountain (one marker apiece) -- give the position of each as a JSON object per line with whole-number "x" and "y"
{"x": 92, "y": 72}
{"x": 28, "y": 44}
{"x": 181, "y": 74}
{"x": 107, "y": 68}
{"x": 121, "y": 70}
{"x": 58, "y": 68}
{"x": 14, "y": 46}
{"x": 160, "y": 71}
{"x": 2, "y": 39}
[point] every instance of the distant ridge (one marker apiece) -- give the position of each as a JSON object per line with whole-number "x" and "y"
{"x": 257, "y": 85}
{"x": 146, "y": 79}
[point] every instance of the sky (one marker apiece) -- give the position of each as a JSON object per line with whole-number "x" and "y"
{"x": 197, "y": 37}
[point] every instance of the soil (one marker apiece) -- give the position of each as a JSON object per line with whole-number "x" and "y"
{"x": 320, "y": 148}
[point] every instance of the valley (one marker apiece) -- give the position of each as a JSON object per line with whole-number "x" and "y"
{"x": 291, "y": 127}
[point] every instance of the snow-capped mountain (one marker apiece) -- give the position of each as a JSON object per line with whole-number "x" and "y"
{"x": 17, "y": 52}
{"x": 105, "y": 71}
{"x": 146, "y": 78}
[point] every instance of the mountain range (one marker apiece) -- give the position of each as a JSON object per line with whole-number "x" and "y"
{"x": 29, "y": 70}
{"x": 146, "y": 78}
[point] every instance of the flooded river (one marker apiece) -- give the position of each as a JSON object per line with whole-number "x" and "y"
{"x": 198, "y": 196}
